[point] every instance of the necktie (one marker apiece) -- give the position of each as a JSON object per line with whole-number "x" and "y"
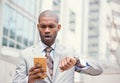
{"x": 49, "y": 60}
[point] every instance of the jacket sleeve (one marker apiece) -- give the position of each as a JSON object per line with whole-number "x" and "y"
{"x": 91, "y": 68}
{"x": 21, "y": 75}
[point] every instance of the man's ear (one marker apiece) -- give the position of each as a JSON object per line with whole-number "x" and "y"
{"x": 59, "y": 27}
{"x": 38, "y": 25}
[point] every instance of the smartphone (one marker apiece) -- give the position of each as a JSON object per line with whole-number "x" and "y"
{"x": 42, "y": 61}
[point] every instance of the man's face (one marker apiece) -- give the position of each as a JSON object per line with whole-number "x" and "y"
{"x": 48, "y": 28}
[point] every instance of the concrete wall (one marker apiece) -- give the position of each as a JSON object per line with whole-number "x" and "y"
{"x": 7, "y": 70}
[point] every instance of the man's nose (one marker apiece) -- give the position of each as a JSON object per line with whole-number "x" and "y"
{"x": 47, "y": 29}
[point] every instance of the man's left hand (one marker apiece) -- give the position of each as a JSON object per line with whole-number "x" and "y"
{"x": 67, "y": 62}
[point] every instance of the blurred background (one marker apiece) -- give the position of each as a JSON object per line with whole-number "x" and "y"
{"x": 92, "y": 27}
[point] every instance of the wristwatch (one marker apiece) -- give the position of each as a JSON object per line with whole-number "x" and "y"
{"x": 77, "y": 61}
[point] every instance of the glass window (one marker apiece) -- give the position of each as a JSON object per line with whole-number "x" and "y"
{"x": 28, "y": 32}
{"x": 56, "y": 6}
{"x": 12, "y": 23}
{"x": 12, "y": 34}
{"x": 72, "y": 21}
{"x": 16, "y": 1}
{"x": 31, "y": 33}
{"x": 32, "y": 7}
{"x": 18, "y": 30}
{"x": 19, "y": 38}
{"x": 5, "y": 20}
{"x": 18, "y": 46}
{"x": 5, "y": 31}
{"x": 25, "y": 31}
{"x": 25, "y": 41}
{"x": 19, "y": 27}
{"x": 21, "y": 2}
{"x": 11, "y": 44}
{"x": 28, "y": 5}
{"x": 4, "y": 41}
{"x": 6, "y": 15}
{"x": 93, "y": 26}
{"x": 12, "y": 30}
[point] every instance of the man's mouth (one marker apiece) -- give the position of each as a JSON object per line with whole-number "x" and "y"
{"x": 47, "y": 37}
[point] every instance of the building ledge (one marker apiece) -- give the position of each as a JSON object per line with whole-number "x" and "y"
{"x": 9, "y": 54}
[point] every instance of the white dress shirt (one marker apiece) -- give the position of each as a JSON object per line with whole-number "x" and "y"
{"x": 51, "y": 53}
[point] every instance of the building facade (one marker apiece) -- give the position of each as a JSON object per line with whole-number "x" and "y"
{"x": 17, "y": 31}
{"x": 101, "y": 28}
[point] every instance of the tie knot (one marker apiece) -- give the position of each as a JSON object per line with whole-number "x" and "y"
{"x": 48, "y": 49}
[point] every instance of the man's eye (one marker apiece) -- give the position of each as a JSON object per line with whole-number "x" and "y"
{"x": 43, "y": 26}
{"x": 51, "y": 26}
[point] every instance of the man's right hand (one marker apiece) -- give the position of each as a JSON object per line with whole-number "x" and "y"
{"x": 35, "y": 73}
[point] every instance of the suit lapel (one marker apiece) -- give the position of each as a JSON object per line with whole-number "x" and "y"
{"x": 37, "y": 51}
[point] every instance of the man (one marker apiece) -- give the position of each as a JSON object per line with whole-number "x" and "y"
{"x": 65, "y": 61}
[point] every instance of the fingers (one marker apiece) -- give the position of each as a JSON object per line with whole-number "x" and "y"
{"x": 67, "y": 63}
{"x": 37, "y": 72}
{"x": 38, "y": 76}
{"x": 34, "y": 67}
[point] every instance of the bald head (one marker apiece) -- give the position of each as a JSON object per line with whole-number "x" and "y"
{"x": 48, "y": 13}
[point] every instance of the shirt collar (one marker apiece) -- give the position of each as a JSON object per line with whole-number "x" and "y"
{"x": 44, "y": 46}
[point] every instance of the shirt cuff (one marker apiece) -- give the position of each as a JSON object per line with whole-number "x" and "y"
{"x": 82, "y": 62}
